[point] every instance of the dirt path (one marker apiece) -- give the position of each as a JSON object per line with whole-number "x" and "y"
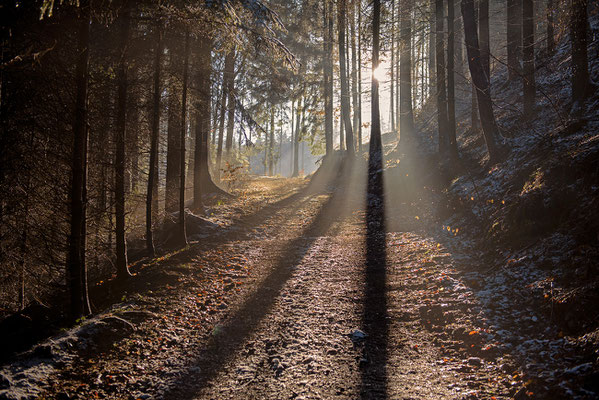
{"x": 277, "y": 309}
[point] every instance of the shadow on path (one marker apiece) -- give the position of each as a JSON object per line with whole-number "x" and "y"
{"x": 226, "y": 343}
{"x": 375, "y": 319}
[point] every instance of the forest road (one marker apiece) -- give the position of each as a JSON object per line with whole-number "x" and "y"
{"x": 299, "y": 300}
{"x": 326, "y": 322}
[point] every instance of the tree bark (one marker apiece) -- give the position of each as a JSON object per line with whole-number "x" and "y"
{"x": 228, "y": 76}
{"x": 354, "y": 73}
{"x": 122, "y": 269}
{"x": 528, "y": 56}
{"x": 453, "y": 146}
{"x": 271, "y": 141}
{"x": 480, "y": 81}
{"x": 406, "y": 115}
{"x": 173, "y": 136}
{"x": 550, "y": 28}
{"x": 153, "y": 168}
{"x": 484, "y": 36}
{"x": 514, "y": 37}
{"x": 580, "y": 62}
{"x": 392, "y": 86}
{"x": 376, "y": 146}
{"x": 230, "y": 112}
{"x": 182, "y": 229}
{"x": 296, "y": 139}
{"x": 201, "y": 173}
{"x": 328, "y": 78}
{"x": 345, "y": 113}
{"x": 441, "y": 89}
{"x": 76, "y": 266}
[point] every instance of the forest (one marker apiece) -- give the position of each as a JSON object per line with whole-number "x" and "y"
{"x": 299, "y": 199}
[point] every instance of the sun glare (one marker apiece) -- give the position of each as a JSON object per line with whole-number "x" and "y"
{"x": 379, "y": 73}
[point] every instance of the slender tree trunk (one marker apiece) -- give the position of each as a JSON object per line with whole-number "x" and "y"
{"x": 392, "y": 87}
{"x": 173, "y": 135}
{"x": 228, "y": 77}
{"x": 432, "y": 62}
{"x": 580, "y": 61}
{"x": 153, "y": 168}
{"x": 328, "y": 78}
{"x": 484, "y": 36}
{"x": 271, "y": 141}
{"x": 122, "y": 269}
{"x": 76, "y": 267}
{"x": 201, "y": 174}
{"x": 514, "y": 37}
{"x": 359, "y": 76}
{"x": 441, "y": 89}
{"x": 182, "y": 229}
{"x": 230, "y": 112}
{"x": 354, "y": 73}
{"x": 376, "y": 146}
{"x": 550, "y": 28}
{"x": 296, "y": 139}
{"x": 406, "y": 114}
{"x": 133, "y": 142}
{"x": 490, "y": 131}
{"x": 453, "y": 146}
{"x": 528, "y": 56}
{"x": 345, "y": 113}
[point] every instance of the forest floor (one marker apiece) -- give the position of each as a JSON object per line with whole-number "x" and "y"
{"x": 296, "y": 298}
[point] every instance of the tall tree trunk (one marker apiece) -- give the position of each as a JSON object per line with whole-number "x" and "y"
{"x": 230, "y": 112}
{"x": 153, "y": 168}
{"x": 227, "y": 73}
{"x": 480, "y": 81}
{"x": 359, "y": 76}
{"x": 550, "y": 28}
{"x": 328, "y": 78}
{"x": 271, "y": 141}
{"x": 514, "y": 37}
{"x": 453, "y": 146}
{"x": 181, "y": 229}
{"x": 173, "y": 135}
{"x": 354, "y": 72}
{"x": 200, "y": 173}
{"x": 441, "y": 89}
{"x": 345, "y": 113}
{"x": 296, "y": 139}
{"x": 376, "y": 146}
{"x": 580, "y": 62}
{"x": 432, "y": 62}
{"x": 528, "y": 56}
{"x": 406, "y": 115}
{"x": 484, "y": 36}
{"x": 392, "y": 87}
{"x": 76, "y": 266}
{"x": 122, "y": 269}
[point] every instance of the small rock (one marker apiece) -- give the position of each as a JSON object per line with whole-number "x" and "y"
{"x": 358, "y": 336}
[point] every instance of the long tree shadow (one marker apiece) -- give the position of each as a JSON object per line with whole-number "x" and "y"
{"x": 227, "y": 341}
{"x": 375, "y": 318}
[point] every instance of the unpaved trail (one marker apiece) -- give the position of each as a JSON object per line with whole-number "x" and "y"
{"x": 267, "y": 312}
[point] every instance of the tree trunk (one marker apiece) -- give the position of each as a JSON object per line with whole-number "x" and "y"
{"x": 76, "y": 267}
{"x": 122, "y": 269}
{"x": 359, "y": 77}
{"x": 480, "y": 80}
{"x": 345, "y": 113}
{"x": 406, "y": 115}
{"x": 528, "y": 56}
{"x": 441, "y": 89}
{"x": 453, "y": 146}
{"x": 484, "y": 37}
{"x": 328, "y": 78}
{"x": 200, "y": 171}
{"x": 271, "y": 141}
{"x": 228, "y": 77}
{"x": 550, "y": 28}
{"x": 173, "y": 135}
{"x": 432, "y": 62}
{"x": 514, "y": 37}
{"x": 354, "y": 73}
{"x": 296, "y": 139}
{"x": 230, "y": 111}
{"x": 376, "y": 146}
{"x": 580, "y": 62}
{"x": 153, "y": 168}
{"x": 182, "y": 230}
{"x": 392, "y": 87}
